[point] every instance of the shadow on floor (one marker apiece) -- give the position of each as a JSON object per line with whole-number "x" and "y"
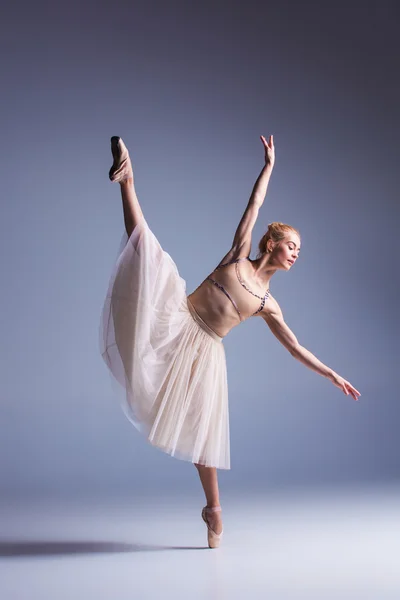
{"x": 43, "y": 548}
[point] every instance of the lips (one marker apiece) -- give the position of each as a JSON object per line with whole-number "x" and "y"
{"x": 291, "y": 262}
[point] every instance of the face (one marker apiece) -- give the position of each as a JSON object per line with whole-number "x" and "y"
{"x": 287, "y": 251}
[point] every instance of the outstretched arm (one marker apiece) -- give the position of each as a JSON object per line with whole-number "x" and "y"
{"x": 285, "y": 335}
{"x": 242, "y": 239}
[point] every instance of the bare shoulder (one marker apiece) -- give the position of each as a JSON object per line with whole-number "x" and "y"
{"x": 271, "y": 309}
{"x": 273, "y": 317}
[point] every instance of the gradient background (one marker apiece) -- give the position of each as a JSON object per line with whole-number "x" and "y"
{"x": 190, "y": 87}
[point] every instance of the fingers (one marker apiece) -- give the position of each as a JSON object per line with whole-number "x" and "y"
{"x": 353, "y": 390}
{"x": 349, "y": 389}
{"x": 270, "y": 142}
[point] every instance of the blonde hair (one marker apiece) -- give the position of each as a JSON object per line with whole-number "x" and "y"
{"x": 276, "y": 232}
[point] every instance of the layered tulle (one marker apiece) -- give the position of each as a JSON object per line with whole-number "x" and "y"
{"x": 170, "y": 366}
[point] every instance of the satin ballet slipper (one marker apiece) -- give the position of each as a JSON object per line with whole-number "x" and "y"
{"x": 214, "y": 539}
{"x": 121, "y": 169}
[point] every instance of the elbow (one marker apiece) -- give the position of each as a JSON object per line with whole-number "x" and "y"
{"x": 295, "y": 350}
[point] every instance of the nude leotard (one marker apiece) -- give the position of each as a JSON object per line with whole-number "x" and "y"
{"x": 221, "y": 287}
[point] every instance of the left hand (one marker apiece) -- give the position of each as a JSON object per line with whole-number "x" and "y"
{"x": 269, "y": 150}
{"x": 345, "y": 386}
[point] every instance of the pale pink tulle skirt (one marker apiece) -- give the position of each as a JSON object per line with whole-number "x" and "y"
{"x": 168, "y": 363}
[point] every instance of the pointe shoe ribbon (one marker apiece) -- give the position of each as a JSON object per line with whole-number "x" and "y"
{"x": 122, "y": 167}
{"x": 214, "y": 539}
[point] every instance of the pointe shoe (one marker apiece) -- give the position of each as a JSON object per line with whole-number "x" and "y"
{"x": 122, "y": 167}
{"x": 214, "y": 539}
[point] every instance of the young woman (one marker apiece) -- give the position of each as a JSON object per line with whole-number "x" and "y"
{"x": 164, "y": 347}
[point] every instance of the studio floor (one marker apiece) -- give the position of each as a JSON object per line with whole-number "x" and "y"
{"x": 332, "y": 544}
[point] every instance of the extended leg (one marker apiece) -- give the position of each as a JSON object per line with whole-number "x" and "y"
{"x": 209, "y": 481}
{"x": 130, "y": 203}
{"x": 121, "y": 172}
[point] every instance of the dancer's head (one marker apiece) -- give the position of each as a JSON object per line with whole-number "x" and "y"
{"x": 281, "y": 242}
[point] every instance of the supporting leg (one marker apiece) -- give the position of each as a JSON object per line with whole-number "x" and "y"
{"x": 209, "y": 481}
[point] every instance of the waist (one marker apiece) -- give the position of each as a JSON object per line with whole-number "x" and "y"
{"x": 202, "y": 323}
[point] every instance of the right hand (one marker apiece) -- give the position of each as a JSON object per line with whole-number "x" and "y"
{"x": 269, "y": 150}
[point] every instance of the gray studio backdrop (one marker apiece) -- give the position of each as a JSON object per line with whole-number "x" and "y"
{"x": 190, "y": 87}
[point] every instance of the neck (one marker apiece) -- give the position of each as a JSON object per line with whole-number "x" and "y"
{"x": 263, "y": 271}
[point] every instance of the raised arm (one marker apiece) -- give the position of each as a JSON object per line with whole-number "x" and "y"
{"x": 242, "y": 240}
{"x": 275, "y": 321}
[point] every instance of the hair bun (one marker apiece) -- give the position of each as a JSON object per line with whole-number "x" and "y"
{"x": 276, "y": 232}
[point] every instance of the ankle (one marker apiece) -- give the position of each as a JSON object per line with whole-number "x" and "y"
{"x": 126, "y": 182}
{"x": 213, "y": 507}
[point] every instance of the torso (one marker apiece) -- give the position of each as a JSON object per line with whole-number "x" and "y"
{"x": 225, "y": 302}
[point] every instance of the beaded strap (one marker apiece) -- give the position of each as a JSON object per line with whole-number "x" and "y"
{"x": 262, "y": 306}
{"x": 262, "y": 298}
{"x": 245, "y": 286}
{"x": 231, "y": 262}
{"x": 219, "y": 286}
{"x": 235, "y": 262}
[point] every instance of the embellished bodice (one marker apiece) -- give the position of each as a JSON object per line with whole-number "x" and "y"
{"x": 221, "y": 287}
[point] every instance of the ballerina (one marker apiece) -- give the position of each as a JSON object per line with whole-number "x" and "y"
{"x": 165, "y": 348}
